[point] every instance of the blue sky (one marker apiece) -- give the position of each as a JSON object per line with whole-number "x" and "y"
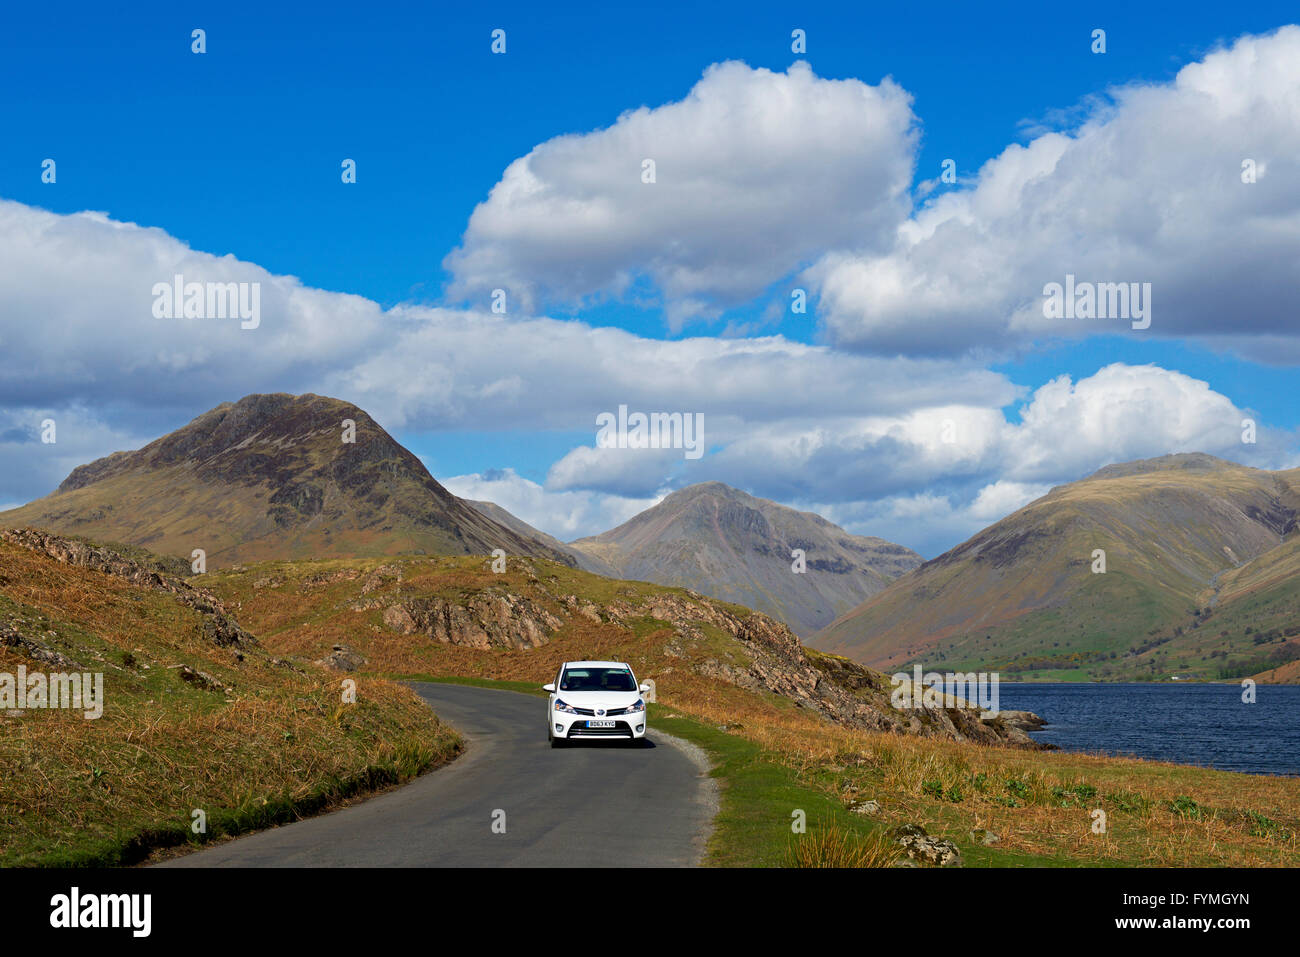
{"x": 414, "y": 95}
{"x": 237, "y": 152}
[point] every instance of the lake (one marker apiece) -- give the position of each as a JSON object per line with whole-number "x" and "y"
{"x": 1205, "y": 724}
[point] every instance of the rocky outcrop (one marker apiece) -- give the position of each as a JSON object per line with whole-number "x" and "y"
{"x": 35, "y": 649}
{"x": 1022, "y": 720}
{"x": 380, "y": 577}
{"x": 343, "y": 658}
{"x": 200, "y": 679}
{"x": 218, "y": 626}
{"x": 486, "y": 620}
{"x": 923, "y": 848}
{"x": 835, "y": 688}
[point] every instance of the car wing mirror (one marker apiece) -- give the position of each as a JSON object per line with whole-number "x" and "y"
{"x": 644, "y": 688}
{"x": 549, "y": 687}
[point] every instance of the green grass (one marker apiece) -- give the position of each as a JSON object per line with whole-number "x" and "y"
{"x": 523, "y": 687}
{"x": 758, "y": 799}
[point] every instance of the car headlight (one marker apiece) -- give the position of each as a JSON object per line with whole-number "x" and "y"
{"x": 639, "y": 706}
{"x": 561, "y": 706}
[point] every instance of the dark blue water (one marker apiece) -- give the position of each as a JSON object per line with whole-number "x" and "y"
{"x": 1203, "y": 724}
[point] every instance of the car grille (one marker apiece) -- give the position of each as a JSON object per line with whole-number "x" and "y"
{"x": 621, "y": 729}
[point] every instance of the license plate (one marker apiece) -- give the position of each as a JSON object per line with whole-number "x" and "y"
{"x": 600, "y": 724}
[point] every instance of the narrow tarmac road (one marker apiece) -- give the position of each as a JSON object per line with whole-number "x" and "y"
{"x": 597, "y": 804}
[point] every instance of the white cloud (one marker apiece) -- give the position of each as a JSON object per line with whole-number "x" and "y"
{"x": 757, "y": 173}
{"x": 34, "y": 467}
{"x": 78, "y": 326}
{"x": 565, "y": 515}
{"x": 88, "y": 280}
{"x": 1127, "y": 412}
{"x": 442, "y": 369}
{"x": 629, "y": 471}
{"x": 1147, "y": 189}
{"x": 975, "y": 459}
{"x": 1001, "y": 498}
{"x": 926, "y": 522}
{"x": 77, "y": 293}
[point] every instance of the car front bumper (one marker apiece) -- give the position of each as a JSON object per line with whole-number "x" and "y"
{"x": 573, "y": 727}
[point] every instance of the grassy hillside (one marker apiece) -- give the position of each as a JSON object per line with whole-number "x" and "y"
{"x": 456, "y": 616}
{"x": 775, "y": 751}
{"x": 203, "y": 713}
{"x": 198, "y": 715}
{"x": 1186, "y": 540}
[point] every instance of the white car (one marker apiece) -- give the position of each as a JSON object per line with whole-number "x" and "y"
{"x": 595, "y": 699}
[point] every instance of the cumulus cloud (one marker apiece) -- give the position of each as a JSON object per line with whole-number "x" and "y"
{"x": 446, "y": 369}
{"x": 627, "y": 471}
{"x": 977, "y": 460}
{"x": 926, "y": 522}
{"x": 79, "y": 326}
{"x": 756, "y": 174}
{"x": 79, "y": 322}
{"x": 1002, "y": 497}
{"x": 1148, "y": 188}
{"x": 79, "y": 331}
{"x": 1128, "y": 412}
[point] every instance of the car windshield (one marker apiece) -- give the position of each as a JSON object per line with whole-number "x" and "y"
{"x": 597, "y": 679}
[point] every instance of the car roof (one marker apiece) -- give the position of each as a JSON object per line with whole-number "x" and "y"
{"x": 597, "y": 664}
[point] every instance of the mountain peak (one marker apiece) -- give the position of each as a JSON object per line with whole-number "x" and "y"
{"x": 731, "y": 545}
{"x": 1179, "y": 461}
{"x": 703, "y": 491}
{"x": 217, "y": 438}
{"x": 273, "y": 476}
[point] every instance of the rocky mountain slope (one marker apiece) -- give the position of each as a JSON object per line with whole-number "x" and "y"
{"x": 271, "y": 476}
{"x": 1198, "y": 560}
{"x": 730, "y": 545}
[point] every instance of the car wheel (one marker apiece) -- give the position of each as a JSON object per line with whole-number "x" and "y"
{"x": 557, "y": 742}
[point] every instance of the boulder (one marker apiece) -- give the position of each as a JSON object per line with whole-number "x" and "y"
{"x": 342, "y": 658}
